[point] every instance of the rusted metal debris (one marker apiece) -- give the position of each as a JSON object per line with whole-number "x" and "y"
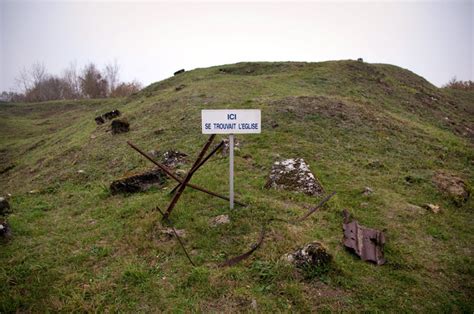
{"x": 237, "y": 259}
{"x": 367, "y": 243}
{"x": 188, "y": 176}
{"x": 166, "y": 219}
{"x": 176, "y": 178}
{"x": 254, "y": 247}
{"x": 200, "y": 164}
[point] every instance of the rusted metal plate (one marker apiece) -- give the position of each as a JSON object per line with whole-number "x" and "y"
{"x": 367, "y": 243}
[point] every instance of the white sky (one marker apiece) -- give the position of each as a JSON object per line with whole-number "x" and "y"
{"x": 150, "y": 40}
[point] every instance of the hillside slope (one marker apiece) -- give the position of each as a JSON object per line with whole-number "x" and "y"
{"x": 77, "y": 247}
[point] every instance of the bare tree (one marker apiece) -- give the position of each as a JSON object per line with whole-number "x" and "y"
{"x": 111, "y": 74}
{"x": 72, "y": 81}
{"x": 126, "y": 89}
{"x": 30, "y": 77}
{"x": 93, "y": 85}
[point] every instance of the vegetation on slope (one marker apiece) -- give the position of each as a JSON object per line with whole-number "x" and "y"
{"x": 77, "y": 247}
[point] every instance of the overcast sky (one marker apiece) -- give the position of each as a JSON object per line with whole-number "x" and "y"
{"x": 150, "y": 40}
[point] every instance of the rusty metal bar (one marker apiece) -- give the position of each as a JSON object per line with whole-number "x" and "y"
{"x": 176, "y": 234}
{"x": 237, "y": 259}
{"x": 312, "y": 210}
{"x": 188, "y": 176}
{"x": 172, "y": 175}
{"x": 200, "y": 164}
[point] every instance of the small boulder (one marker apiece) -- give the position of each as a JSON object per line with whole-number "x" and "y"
{"x": 312, "y": 255}
{"x": 452, "y": 186}
{"x": 294, "y": 175}
{"x": 432, "y": 208}
{"x": 4, "y": 207}
{"x": 139, "y": 182}
{"x": 120, "y": 126}
{"x": 219, "y": 220}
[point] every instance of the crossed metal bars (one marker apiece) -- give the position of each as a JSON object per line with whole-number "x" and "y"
{"x": 183, "y": 183}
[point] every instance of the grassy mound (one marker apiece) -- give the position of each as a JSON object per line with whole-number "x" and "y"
{"x": 76, "y": 246}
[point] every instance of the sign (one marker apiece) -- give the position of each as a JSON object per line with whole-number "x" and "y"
{"x": 231, "y": 121}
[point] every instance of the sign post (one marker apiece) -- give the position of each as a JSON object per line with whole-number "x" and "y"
{"x": 231, "y": 170}
{"x": 231, "y": 121}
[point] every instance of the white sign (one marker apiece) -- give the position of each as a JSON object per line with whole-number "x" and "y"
{"x": 231, "y": 121}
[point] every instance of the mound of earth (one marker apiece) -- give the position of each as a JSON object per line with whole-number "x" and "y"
{"x": 453, "y": 186}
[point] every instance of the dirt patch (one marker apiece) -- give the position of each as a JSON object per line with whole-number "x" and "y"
{"x": 138, "y": 182}
{"x": 452, "y": 186}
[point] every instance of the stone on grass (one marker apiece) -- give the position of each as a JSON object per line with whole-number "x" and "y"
{"x": 169, "y": 233}
{"x": 4, "y": 207}
{"x": 453, "y": 186}
{"x": 138, "y": 182}
{"x": 220, "y": 220}
{"x": 120, "y": 126}
{"x": 313, "y": 255}
{"x": 367, "y": 191}
{"x": 173, "y": 158}
{"x": 294, "y": 175}
{"x": 432, "y": 208}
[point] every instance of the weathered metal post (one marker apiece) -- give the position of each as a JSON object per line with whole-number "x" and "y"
{"x": 231, "y": 171}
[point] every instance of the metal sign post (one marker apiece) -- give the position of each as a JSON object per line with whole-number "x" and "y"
{"x": 231, "y": 121}
{"x": 231, "y": 170}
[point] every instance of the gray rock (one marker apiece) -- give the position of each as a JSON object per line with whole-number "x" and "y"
{"x": 294, "y": 175}
{"x": 174, "y": 158}
{"x": 432, "y": 208}
{"x": 313, "y": 254}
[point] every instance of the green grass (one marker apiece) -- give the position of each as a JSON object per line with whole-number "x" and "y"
{"x": 76, "y": 247}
